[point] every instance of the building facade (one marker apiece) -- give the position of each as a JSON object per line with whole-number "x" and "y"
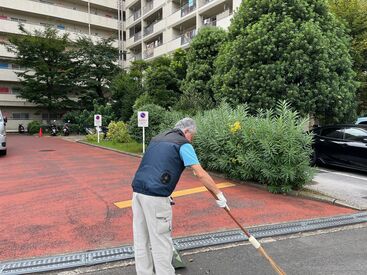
{"x": 143, "y": 30}
{"x": 158, "y": 27}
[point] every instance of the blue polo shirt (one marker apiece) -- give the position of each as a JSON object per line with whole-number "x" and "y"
{"x": 188, "y": 155}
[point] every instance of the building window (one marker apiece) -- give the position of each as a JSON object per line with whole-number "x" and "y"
{"x": 24, "y": 116}
{"x": 124, "y": 36}
{"x": 4, "y": 65}
{"x": 46, "y": 116}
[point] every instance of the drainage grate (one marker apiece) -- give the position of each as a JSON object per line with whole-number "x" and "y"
{"x": 127, "y": 252}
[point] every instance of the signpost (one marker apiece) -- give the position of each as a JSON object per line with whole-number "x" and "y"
{"x": 97, "y": 123}
{"x": 143, "y": 121}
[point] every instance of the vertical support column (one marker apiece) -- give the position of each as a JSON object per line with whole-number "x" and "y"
{"x": 119, "y": 30}
{"x": 199, "y": 21}
{"x": 89, "y": 19}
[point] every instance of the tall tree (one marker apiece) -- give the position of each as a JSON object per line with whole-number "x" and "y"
{"x": 125, "y": 90}
{"x": 203, "y": 51}
{"x": 160, "y": 82}
{"x": 47, "y": 78}
{"x": 353, "y": 13}
{"x": 294, "y": 50}
{"x": 96, "y": 65}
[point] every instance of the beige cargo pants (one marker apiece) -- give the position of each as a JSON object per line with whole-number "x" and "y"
{"x": 152, "y": 225}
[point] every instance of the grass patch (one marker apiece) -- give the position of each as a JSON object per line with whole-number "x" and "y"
{"x": 133, "y": 147}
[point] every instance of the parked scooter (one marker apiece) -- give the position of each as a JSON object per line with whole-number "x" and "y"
{"x": 21, "y": 129}
{"x": 54, "y": 130}
{"x": 66, "y": 129}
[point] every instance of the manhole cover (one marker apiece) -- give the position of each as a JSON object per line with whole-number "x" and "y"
{"x": 47, "y": 150}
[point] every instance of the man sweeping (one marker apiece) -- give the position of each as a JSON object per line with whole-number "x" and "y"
{"x": 160, "y": 169}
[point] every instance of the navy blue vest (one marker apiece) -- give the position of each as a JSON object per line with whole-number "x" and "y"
{"x": 161, "y": 166}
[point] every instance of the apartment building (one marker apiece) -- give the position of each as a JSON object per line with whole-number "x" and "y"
{"x": 145, "y": 29}
{"x": 157, "y": 27}
{"x": 93, "y": 18}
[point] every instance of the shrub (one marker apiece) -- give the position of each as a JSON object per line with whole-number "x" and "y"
{"x": 156, "y": 115}
{"x": 34, "y": 127}
{"x": 271, "y": 148}
{"x": 93, "y": 137}
{"x": 117, "y": 132}
{"x": 169, "y": 120}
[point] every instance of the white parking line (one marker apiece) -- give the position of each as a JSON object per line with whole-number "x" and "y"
{"x": 342, "y": 174}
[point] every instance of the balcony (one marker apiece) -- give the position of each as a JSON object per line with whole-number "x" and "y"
{"x": 148, "y": 30}
{"x": 188, "y": 8}
{"x": 188, "y": 36}
{"x": 148, "y": 7}
{"x": 8, "y": 26}
{"x": 152, "y": 5}
{"x": 106, "y": 3}
{"x": 149, "y": 53}
{"x": 8, "y": 75}
{"x": 224, "y": 19}
{"x": 210, "y": 22}
{"x": 59, "y": 12}
{"x": 4, "y": 52}
{"x": 154, "y": 28}
{"x": 135, "y": 16}
{"x": 137, "y": 36}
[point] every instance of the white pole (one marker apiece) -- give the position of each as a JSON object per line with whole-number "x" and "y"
{"x": 98, "y": 133}
{"x": 143, "y": 140}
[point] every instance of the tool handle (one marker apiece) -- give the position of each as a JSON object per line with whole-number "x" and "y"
{"x": 233, "y": 218}
{"x": 253, "y": 241}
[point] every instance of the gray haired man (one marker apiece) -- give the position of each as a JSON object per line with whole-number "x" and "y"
{"x": 167, "y": 155}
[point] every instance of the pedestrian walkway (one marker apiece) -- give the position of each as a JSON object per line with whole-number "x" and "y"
{"x": 59, "y": 197}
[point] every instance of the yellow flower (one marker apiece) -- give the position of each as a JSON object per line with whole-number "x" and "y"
{"x": 235, "y": 127}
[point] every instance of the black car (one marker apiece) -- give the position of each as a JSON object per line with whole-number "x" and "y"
{"x": 341, "y": 145}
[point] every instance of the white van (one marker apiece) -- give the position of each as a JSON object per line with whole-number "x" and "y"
{"x": 2, "y": 135}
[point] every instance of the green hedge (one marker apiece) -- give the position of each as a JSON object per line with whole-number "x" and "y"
{"x": 270, "y": 148}
{"x": 117, "y": 132}
{"x": 34, "y": 127}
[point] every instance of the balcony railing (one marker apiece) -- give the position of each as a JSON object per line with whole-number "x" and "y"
{"x": 137, "y": 14}
{"x": 149, "y": 53}
{"x": 148, "y": 7}
{"x": 208, "y": 22}
{"x": 188, "y": 36}
{"x": 148, "y": 30}
{"x": 135, "y": 57}
{"x": 137, "y": 36}
{"x": 188, "y": 8}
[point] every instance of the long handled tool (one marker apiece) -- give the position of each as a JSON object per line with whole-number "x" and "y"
{"x": 254, "y": 242}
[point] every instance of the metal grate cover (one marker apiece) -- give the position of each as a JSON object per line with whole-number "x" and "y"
{"x": 127, "y": 252}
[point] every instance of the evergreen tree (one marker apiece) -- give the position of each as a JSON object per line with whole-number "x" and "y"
{"x": 48, "y": 75}
{"x": 197, "y": 86}
{"x": 353, "y": 13}
{"x": 294, "y": 50}
{"x": 95, "y": 64}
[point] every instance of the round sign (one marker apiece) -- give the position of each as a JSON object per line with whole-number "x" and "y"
{"x": 142, "y": 115}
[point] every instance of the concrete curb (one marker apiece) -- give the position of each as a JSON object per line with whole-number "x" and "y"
{"x": 305, "y": 193}
{"x": 110, "y": 149}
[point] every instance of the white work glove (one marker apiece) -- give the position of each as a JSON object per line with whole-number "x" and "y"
{"x": 221, "y": 201}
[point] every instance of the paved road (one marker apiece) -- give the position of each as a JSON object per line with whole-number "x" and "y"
{"x": 58, "y": 197}
{"x": 342, "y": 184}
{"x": 338, "y": 251}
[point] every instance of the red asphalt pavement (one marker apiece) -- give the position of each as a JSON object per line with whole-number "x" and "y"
{"x": 57, "y": 197}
